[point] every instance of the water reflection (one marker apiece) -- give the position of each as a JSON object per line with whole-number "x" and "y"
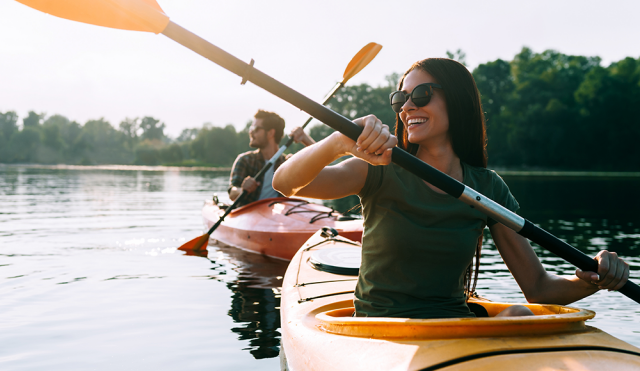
{"x": 571, "y": 198}
{"x": 93, "y": 252}
{"x": 255, "y": 282}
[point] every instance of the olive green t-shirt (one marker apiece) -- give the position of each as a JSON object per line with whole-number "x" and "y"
{"x": 418, "y": 243}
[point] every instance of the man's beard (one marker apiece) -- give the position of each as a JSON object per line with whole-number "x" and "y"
{"x": 257, "y": 144}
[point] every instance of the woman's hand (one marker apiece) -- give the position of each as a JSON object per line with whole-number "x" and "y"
{"x": 374, "y": 144}
{"x": 612, "y": 274}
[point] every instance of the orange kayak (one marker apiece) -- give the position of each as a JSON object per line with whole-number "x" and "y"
{"x": 319, "y": 333}
{"x": 276, "y": 227}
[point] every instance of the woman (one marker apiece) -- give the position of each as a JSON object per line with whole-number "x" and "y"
{"x": 418, "y": 241}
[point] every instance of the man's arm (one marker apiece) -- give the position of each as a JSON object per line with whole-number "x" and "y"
{"x": 240, "y": 178}
{"x": 299, "y": 136}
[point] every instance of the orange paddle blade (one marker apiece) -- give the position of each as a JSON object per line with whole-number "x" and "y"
{"x": 361, "y": 60}
{"x": 133, "y": 15}
{"x": 197, "y": 244}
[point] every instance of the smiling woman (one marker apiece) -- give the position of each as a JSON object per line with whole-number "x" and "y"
{"x": 415, "y": 234}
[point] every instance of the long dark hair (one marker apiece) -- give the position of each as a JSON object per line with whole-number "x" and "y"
{"x": 466, "y": 120}
{"x": 466, "y": 128}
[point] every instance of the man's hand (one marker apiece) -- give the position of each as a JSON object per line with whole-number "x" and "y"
{"x": 299, "y": 136}
{"x": 249, "y": 184}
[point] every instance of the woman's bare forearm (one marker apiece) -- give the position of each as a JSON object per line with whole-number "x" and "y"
{"x": 553, "y": 289}
{"x": 302, "y": 168}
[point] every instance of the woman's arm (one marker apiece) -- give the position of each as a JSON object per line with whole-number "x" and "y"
{"x": 307, "y": 172}
{"x": 539, "y": 286}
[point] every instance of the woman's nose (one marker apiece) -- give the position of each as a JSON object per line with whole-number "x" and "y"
{"x": 408, "y": 105}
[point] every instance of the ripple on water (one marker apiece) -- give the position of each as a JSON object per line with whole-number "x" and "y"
{"x": 90, "y": 276}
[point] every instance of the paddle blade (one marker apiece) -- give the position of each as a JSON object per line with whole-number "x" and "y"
{"x": 197, "y": 244}
{"x": 361, "y": 60}
{"x": 133, "y": 15}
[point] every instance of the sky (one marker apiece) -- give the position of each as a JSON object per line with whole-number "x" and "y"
{"x": 55, "y": 66}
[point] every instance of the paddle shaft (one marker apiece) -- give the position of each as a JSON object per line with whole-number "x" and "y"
{"x": 399, "y": 156}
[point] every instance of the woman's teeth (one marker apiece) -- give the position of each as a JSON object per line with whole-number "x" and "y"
{"x": 417, "y": 121}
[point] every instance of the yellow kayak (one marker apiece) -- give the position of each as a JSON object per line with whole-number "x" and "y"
{"x": 319, "y": 333}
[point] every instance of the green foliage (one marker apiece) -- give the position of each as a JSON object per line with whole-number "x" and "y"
{"x": 551, "y": 110}
{"x": 219, "y": 146}
{"x": 543, "y": 110}
{"x": 8, "y": 124}
{"x": 32, "y": 120}
{"x": 24, "y": 144}
{"x": 152, "y": 129}
{"x": 459, "y": 56}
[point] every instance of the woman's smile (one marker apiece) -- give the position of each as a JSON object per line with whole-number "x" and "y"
{"x": 426, "y": 123}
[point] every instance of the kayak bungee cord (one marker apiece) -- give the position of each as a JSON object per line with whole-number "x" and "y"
{"x": 146, "y": 15}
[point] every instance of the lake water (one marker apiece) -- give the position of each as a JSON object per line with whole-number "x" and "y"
{"x": 90, "y": 278}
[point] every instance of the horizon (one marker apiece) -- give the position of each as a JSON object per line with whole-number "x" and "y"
{"x": 84, "y": 72}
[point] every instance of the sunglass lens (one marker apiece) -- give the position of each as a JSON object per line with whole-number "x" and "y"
{"x": 421, "y": 95}
{"x": 397, "y": 101}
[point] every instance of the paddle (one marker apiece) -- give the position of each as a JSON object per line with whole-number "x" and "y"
{"x": 359, "y": 61}
{"x": 146, "y": 15}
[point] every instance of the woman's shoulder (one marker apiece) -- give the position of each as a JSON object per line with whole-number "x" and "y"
{"x": 482, "y": 178}
{"x": 489, "y": 183}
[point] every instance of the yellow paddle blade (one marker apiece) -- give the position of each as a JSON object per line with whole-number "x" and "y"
{"x": 361, "y": 60}
{"x": 133, "y": 15}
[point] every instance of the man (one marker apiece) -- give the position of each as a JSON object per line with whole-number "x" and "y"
{"x": 265, "y": 134}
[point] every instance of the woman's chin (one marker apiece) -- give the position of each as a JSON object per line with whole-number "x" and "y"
{"x": 413, "y": 139}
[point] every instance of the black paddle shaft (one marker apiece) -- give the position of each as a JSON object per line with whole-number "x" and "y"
{"x": 399, "y": 156}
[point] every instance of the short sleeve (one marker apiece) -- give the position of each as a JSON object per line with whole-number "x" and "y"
{"x": 373, "y": 181}
{"x": 502, "y": 196}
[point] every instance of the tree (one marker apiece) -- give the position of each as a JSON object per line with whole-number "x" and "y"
{"x": 8, "y": 124}
{"x": 361, "y": 100}
{"x": 32, "y": 120}
{"x": 459, "y": 56}
{"x": 101, "y": 143}
{"x": 130, "y": 127}
{"x": 151, "y": 130}
{"x": 187, "y": 135}
{"x": 24, "y": 144}
{"x": 217, "y": 146}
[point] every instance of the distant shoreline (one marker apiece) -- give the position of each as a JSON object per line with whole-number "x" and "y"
{"x": 118, "y": 167}
{"x": 568, "y": 174}
{"x": 506, "y": 173}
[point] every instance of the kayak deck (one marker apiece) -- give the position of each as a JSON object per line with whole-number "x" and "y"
{"x": 318, "y": 332}
{"x": 276, "y": 227}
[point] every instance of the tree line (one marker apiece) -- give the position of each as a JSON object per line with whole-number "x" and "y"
{"x": 544, "y": 110}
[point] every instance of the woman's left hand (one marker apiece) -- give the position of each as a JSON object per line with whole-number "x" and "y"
{"x": 613, "y": 272}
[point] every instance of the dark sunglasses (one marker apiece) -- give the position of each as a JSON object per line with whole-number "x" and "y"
{"x": 420, "y": 96}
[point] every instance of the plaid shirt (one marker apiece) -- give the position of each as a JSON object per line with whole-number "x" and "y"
{"x": 249, "y": 164}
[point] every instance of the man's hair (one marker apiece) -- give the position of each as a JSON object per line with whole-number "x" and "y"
{"x": 271, "y": 120}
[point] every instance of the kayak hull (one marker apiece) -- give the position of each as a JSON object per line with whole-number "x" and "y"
{"x": 276, "y": 227}
{"x": 318, "y": 332}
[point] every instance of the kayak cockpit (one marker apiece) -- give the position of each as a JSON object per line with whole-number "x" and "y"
{"x": 548, "y": 319}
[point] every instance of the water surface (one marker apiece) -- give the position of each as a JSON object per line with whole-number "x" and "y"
{"x": 90, "y": 277}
